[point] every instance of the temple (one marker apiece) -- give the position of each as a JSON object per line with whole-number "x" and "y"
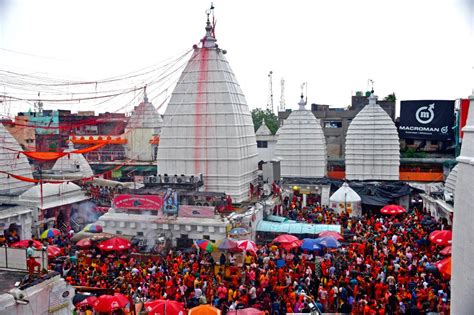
{"x": 462, "y": 280}
{"x": 301, "y": 146}
{"x": 12, "y": 162}
{"x": 207, "y": 125}
{"x": 142, "y": 131}
{"x": 372, "y": 145}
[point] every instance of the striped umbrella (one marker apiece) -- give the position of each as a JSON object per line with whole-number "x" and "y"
{"x": 248, "y": 246}
{"x": 50, "y": 233}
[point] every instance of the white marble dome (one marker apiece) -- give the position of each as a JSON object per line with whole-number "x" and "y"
{"x": 207, "y": 126}
{"x": 263, "y": 130}
{"x": 301, "y": 145}
{"x": 73, "y": 163}
{"x": 372, "y": 145}
{"x": 14, "y": 163}
{"x": 144, "y": 123}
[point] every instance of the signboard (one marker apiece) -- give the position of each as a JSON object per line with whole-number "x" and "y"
{"x": 426, "y": 120}
{"x": 138, "y": 202}
{"x": 196, "y": 211}
{"x": 463, "y": 111}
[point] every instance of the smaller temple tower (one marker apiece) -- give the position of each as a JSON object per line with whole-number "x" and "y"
{"x": 372, "y": 145}
{"x": 143, "y": 126}
{"x": 301, "y": 146}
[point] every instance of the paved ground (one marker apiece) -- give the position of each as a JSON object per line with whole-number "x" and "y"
{"x": 8, "y": 279}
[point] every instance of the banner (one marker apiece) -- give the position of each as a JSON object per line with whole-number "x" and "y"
{"x": 463, "y": 111}
{"x": 138, "y": 202}
{"x": 426, "y": 120}
{"x": 196, "y": 211}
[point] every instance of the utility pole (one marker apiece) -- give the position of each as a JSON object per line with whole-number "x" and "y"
{"x": 282, "y": 95}
{"x": 270, "y": 91}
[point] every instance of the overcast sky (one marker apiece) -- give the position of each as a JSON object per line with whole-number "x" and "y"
{"x": 417, "y": 49}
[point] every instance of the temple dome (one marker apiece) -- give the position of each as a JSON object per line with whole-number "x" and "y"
{"x": 372, "y": 145}
{"x": 144, "y": 123}
{"x": 208, "y": 128}
{"x": 73, "y": 163}
{"x": 14, "y": 163}
{"x": 301, "y": 145}
{"x": 263, "y": 130}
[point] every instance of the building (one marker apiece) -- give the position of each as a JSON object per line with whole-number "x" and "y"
{"x": 143, "y": 126}
{"x": 462, "y": 279}
{"x": 266, "y": 142}
{"x": 301, "y": 146}
{"x": 372, "y": 145}
{"x": 207, "y": 126}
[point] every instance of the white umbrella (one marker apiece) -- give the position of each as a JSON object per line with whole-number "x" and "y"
{"x": 248, "y": 246}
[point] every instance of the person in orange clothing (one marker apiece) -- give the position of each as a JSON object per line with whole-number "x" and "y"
{"x": 31, "y": 262}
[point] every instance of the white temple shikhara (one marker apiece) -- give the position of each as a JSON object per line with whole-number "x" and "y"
{"x": 144, "y": 123}
{"x": 372, "y": 145}
{"x": 11, "y": 161}
{"x": 462, "y": 279}
{"x": 301, "y": 146}
{"x": 207, "y": 125}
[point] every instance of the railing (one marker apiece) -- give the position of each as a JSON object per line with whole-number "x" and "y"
{"x": 15, "y": 258}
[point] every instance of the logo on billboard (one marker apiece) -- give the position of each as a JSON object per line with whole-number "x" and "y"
{"x": 425, "y": 114}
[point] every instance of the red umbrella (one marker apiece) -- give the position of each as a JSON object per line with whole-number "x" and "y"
{"x": 290, "y": 246}
{"x": 87, "y": 301}
{"x": 24, "y": 244}
{"x": 169, "y": 307}
{"x": 392, "y": 210}
{"x": 444, "y": 267}
{"x": 441, "y": 237}
{"x": 334, "y": 234}
{"x": 53, "y": 251}
{"x": 248, "y": 246}
{"x": 446, "y": 251}
{"x": 115, "y": 243}
{"x": 109, "y": 303}
{"x": 84, "y": 243}
{"x": 285, "y": 238}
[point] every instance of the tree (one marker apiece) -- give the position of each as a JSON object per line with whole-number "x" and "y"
{"x": 271, "y": 119}
{"x": 390, "y": 97}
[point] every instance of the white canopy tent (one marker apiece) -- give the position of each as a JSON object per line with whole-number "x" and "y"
{"x": 346, "y": 199}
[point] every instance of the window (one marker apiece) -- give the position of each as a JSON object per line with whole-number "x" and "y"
{"x": 118, "y": 232}
{"x": 139, "y": 233}
{"x": 206, "y": 237}
{"x": 262, "y": 144}
{"x": 332, "y": 124}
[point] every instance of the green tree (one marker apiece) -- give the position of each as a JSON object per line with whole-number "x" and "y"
{"x": 391, "y": 97}
{"x": 271, "y": 119}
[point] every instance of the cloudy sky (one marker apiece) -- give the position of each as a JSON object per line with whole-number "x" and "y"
{"x": 419, "y": 49}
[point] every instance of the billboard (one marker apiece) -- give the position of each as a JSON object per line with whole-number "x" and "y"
{"x": 138, "y": 202}
{"x": 426, "y": 120}
{"x": 463, "y": 111}
{"x": 196, "y": 211}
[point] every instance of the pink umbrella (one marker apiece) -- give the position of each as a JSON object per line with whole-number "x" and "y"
{"x": 441, "y": 237}
{"x": 84, "y": 243}
{"x": 169, "y": 307}
{"x": 248, "y": 246}
{"x": 446, "y": 251}
{"x": 87, "y": 301}
{"x": 334, "y": 234}
{"x": 247, "y": 311}
{"x": 109, "y": 303}
{"x": 290, "y": 246}
{"x": 53, "y": 251}
{"x": 285, "y": 238}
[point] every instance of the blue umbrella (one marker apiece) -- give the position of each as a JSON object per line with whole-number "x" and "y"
{"x": 328, "y": 241}
{"x": 310, "y": 244}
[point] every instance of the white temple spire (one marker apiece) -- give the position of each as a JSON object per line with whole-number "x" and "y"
{"x": 209, "y": 41}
